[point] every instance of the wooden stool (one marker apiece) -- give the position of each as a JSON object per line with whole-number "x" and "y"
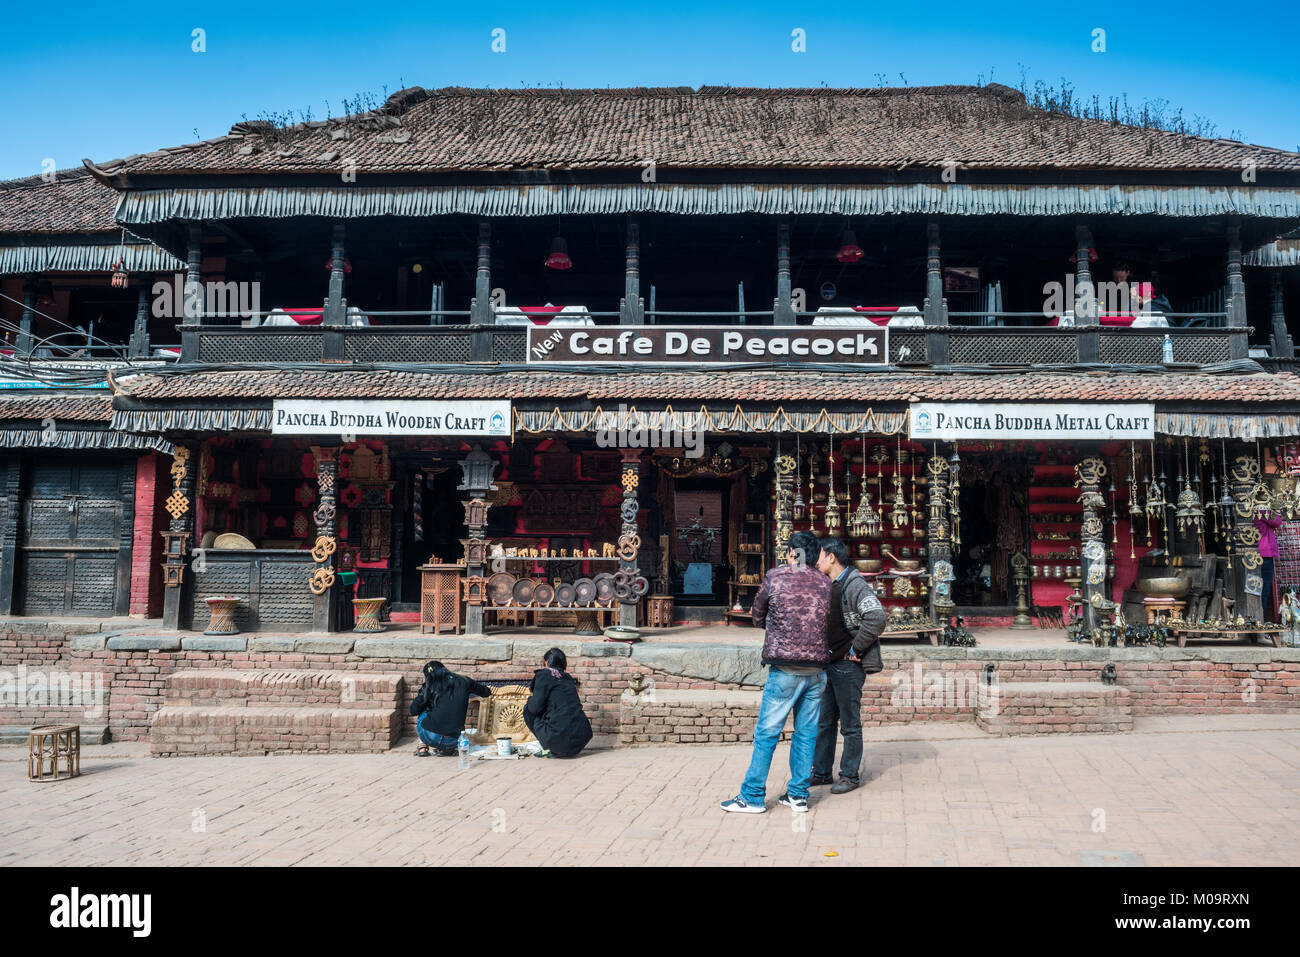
{"x": 367, "y": 614}
{"x": 50, "y": 746}
{"x": 659, "y": 611}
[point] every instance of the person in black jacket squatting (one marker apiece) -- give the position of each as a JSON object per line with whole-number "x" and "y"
{"x": 554, "y": 712}
{"x": 441, "y": 705}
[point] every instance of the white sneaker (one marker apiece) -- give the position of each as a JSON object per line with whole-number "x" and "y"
{"x": 793, "y": 803}
{"x": 739, "y": 805}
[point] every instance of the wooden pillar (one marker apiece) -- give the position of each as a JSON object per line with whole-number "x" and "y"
{"x": 24, "y": 343}
{"x": 938, "y": 540}
{"x": 1247, "y": 566}
{"x": 1281, "y": 344}
{"x": 481, "y": 308}
{"x": 10, "y": 476}
{"x": 1090, "y": 473}
{"x": 1087, "y": 308}
{"x": 784, "y": 308}
{"x": 629, "y": 532}
{"x": 933, "y": 277}
{"x": 335, "y": 305}
{"x": 1236, "y": 285}
{"x": 139, "y": 344}
{"x": 324, "y": 616}
{"x": 178, "y": 596}
{"x": 477, "y": 470}
{"x": 630, "y": 311}
{"x": 193, "y": 299}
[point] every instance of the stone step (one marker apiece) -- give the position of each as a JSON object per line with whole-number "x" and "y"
{"x": 270, "y": 689}
{"x": 1055, "y": 707}
{"x": 193, "y": 730}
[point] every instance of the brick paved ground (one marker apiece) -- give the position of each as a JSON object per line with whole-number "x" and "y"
{"x": 1208, "y": 790}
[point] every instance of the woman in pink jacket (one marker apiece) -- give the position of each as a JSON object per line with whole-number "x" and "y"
{"x": 1267, "y": 525}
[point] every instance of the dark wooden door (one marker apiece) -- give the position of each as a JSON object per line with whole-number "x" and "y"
{"x": 71, "y": 539}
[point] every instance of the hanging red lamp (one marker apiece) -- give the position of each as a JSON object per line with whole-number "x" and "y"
{"x": 850, "y": 251}
{"x": 559, "y": 257}
{"x": 329, "y": 265}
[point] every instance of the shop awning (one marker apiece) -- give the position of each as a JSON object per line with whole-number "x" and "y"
{"x": 704, "y": 419}
{"x": 82, "y": 439}
{"x": 1215, "y": 425}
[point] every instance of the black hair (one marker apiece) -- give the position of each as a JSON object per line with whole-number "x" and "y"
{"x": 556, "y": 659}
{"x": 437, "y": 679}
{"x": 805, "y": 547}
{"x": 836, "y": 550}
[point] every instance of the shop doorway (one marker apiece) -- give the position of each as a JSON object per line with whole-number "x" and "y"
{"x": 433, "y": 524}
{"x": 993, "y": 509}
{"x": 697, "y": 542}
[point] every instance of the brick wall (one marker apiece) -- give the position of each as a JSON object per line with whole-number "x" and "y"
{"x": 146, "y": 546}
{"x": 941, "y": 691}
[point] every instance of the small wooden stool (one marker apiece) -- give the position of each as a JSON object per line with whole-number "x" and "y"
{"x": 659, "y": 611}
{"x": 50, "y": 746}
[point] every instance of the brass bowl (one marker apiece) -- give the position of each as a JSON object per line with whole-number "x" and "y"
{"x": 1174, "y": 587}
{"x": 868, "y": 564}
{"x": 907, "y": 566}
{"x": 903, "y": 532}
{"x": 864, "y": 551}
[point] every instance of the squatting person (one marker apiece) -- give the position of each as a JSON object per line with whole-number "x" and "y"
{"x": 554, "y": 712}
{"x": 792, "y": 605}
{"x": 853, "y": 631}
{"x": 441, "y": 705}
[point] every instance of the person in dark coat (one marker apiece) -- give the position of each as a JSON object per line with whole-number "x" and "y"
{"x": 441, "y": 705}
{"x": 554, "y": 713}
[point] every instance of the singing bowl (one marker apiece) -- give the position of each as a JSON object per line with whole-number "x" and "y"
{"x": 868, "y": 565}
{"x": 1175, "y": 587}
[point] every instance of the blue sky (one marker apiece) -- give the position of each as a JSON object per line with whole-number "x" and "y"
{"x": 104, "y": 82}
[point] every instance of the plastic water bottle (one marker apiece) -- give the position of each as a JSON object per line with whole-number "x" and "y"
{"x": 1167, "y": 350}
{"x": 462, "y": 751}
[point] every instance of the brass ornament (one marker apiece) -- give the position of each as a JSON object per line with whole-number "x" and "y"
{"x": 326, "y": 481}
{"x": 325, "y": 514}
{"x": 324, "y": 548}
{"x": 177, "y": 504}
{"x": 631, "y": 480}
{"x": 321, "y": 580}
{"x": 1092, "y": 527}
{"x": 1251, "y": 560}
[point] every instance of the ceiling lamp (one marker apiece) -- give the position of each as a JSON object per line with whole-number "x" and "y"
{"x": 559, "y": 257}
{"x": 850, "y": 251}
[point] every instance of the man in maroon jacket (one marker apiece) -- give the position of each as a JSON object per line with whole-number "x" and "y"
{"x": 793, "y": 605}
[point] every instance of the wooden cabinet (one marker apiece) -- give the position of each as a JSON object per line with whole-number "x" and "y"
{"x": 440, "y": 598}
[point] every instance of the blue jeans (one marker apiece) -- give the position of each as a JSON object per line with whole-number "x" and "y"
{"x": 439, "y": 742}
{"x": 783, "y": 693}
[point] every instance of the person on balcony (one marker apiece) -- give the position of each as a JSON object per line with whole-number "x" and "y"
{"x": 441, "y": 705}
{"x": 792, "y": 606}
{"x": 554, "y": 711}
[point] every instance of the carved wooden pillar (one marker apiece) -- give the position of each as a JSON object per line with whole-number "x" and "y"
{"x": 193, "y": 292}
{"x": 10, "y": 475}
{"x": 630, "y": 309}
{"x": 324, "y": 616}
{"x": 938, "y": 540}
{"x": 1236, "y": 285}
{"x": 335, "y": 304}
{"x": 1248, "y": 571}
{"x": 784, "y": 315}
{"x": 629, "y": 539}
{"x": 139, "y": 344}
{"x": 1281, "y": 344}
{"x": 178, "y": 595}
{"x": 481, "y": 308}
{"x": 933, "y": 277}
{"x": 1091, "y": 472}
{"x": 24, "y": 343}
{"x": 477, "y": 470}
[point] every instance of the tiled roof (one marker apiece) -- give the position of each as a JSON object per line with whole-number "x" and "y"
{"x": 739, "y": 386}
{"x": 73, "y": 203}
{"x": 456, "y": 129}
{"x": 71, "y": 408}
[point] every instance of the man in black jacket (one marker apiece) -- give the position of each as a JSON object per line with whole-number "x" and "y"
{"x": 853, "y": 628}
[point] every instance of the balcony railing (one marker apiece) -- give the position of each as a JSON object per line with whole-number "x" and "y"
{"x": 909, "y": 346}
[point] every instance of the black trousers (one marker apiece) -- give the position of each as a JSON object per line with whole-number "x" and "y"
{"x": 842, "y": 706}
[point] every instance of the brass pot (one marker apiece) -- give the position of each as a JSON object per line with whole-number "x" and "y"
{"x": 864, "y": 551}
{"x": 1170, "y": 587}
{"x": 905, "y": 551}
{"x": 900, "y": 564}
{"x": 868, "y": 565}
{"x": 899, "y": 532}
